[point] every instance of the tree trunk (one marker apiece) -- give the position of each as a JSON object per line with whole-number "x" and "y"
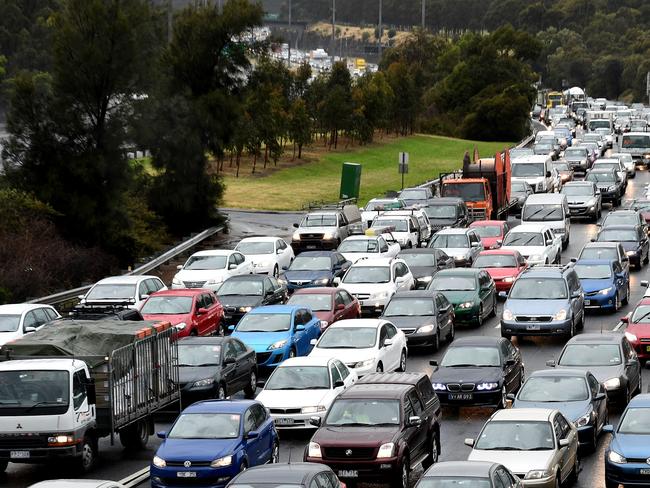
{"x": 238, "y": 158}
{"x": 232, "y": 154}
{"x": 294, "y": 152}
{"x": 299, "y": 151}
{"x": 266, "y": 155}
{"x": 254, "y": 161}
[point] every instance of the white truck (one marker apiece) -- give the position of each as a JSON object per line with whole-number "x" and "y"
{"x": 69, "y": 384}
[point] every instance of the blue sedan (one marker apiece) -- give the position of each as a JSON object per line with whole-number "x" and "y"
{"x": 626, "y": 458}
{"x": 605, "y": 284}
{"x": 278, "y": 332}
{"x": 212, "y": 441}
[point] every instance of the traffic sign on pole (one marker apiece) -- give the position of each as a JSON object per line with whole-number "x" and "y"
{"x": 403, "y": 165}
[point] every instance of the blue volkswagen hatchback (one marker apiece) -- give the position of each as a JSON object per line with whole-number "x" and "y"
{"x": 278, "y": 332}
{"x": 212, "y": 441}
{"x": 626, "y": 458}
{"x": 605, "y": 284}
{"x": 314, "y": 268}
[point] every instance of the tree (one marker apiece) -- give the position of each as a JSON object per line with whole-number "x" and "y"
{"x": 300, "y": 126}
{"x": 337, "y": 104}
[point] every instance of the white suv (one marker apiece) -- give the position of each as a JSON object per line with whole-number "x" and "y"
{"x": 536, "y": 242}
{"x": 374, "y": 281}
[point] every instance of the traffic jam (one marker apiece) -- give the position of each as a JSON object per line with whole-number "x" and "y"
{"x": 489, "y": 330}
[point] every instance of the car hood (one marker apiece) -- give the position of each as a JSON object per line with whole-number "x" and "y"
{"x": 489, "y": 374}
{"x": 589, "y": 285}
{"x": 502, "y": 272}
{"x": 324, "y": 315}
{"x": 171, "y": 318}
{"x": 410, "y": 321}
{"x": 515, "y": 461}
{"x": 631, "y": 445}
{"x": 354, "y": 436}
{"x": 188, "y": 374}
{"x": 640, "y": 330}
{"x": 201, "y": 274}
{"x": 197, "y": 450}
{"x": 488, "y": 242}
{"x": 602, "y": 373}
{"x": 420, "y": 271}
{"x": 528, "y": 179}
{"x": 307, "y": 275}
{"x": 460, "y": 296}
{"x": 363, "y": 288}
{"x": 443, "y": 222}
{"x": 646, "y": 216}
{"x": 527, "y": 251}
{"x": 292, "y": 398}
{"x": 261, "y": 258}
{"x": 535, "y": 307}
{"x": 240, "y": 300}
{"x": 345, "y": 355}
{"x": 571, "y": 410}
{"x": 260, "y": 341}
{"x": 629, "y": 245}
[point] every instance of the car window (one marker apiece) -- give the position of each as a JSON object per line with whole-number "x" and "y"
{"x": 78, "y": 389}
{"x": 239, "y": 347}
{"x": 343, "y": 370}
{"x": 299, "y": 317}
{"x": 497, "y": 481}
{"x": 306, "y": 317}
{"x": 338, "y": 298}
{"x": 557, "y": 428}
{"x": 268, "y": 285}
{"x": 41, "y": 316}
{"x": 30, "y": 320}
{"x": 347, "y": 298}
{"x": 232, "y": 259}
{"x": 383, "y": 334}
{"x": 414, "y": 399}
{"x": 336, "y": 376}
{"x": 314, "y": 483}
{"x": 260, "y": 415}
{"x": 274, "y": 283}
{"x": 142, "y": 288}
{"x": 505, "y": 352}
{"x": 52, "y": 315}
{"x": 200, "y": 302}
{"x": 408, "y": 409}
{"x": 249, "y": 420}
{"x": 628, "y": 351}
{"x": 564, "y": 425}
{"x": 426, "y": 390}
{"x": 594, "y": 385}
{"x": 505, "y": 478}
{"x": 390, "y": 331}
{"x": 230, "y": 351}
{"x": 208, "y": 300}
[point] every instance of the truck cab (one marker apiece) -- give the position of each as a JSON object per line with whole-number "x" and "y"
{"x": 537, "y": 171}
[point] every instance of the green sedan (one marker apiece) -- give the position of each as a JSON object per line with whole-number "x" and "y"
{"x": 471, "y": 291}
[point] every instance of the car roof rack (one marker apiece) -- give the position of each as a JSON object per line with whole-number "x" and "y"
{"x": 561, "y": 267}
{"x": 322, "y": 205}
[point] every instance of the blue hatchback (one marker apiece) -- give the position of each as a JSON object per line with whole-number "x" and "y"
{"x": 605, "y": 284}
{"x": 626, "y": 458}
{"x": 314, "y": 268}
{"x": 212, "y": 441}
{"x": 278, "y": 332}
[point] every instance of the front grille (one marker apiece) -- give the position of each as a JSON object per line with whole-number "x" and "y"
{"x": 591, "y": 293}
{"x": 284, "y": 411}
{"x": 195, "y": 464}
{"x": 299, "y": 282}
{"x": 465, "y": 387}
{"x": 644, "y": 340}
{"x": 361, "y": 296}
{"x": 311, "y": 236}
{"x": 230, "y": 309}
{"x": 194, "y": 284}
{"x": 262, "y": 357}
{"x": 408, "y": 331}
{"x": 366, "y": 453}
{"x": 21, "y": 441}
{"x": 531, "y": 318}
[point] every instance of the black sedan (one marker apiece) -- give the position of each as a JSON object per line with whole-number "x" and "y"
{"x": 576, "y": 393}
{"x": 424, "y": 263}
{"x": 240, "y": 294}
{"x": 215, "y": 367}
{"x": 478, "y": 370}
{"x": 295, "y": 475}
{"x": 477, "y": 474}
{"x": 425, "y": 317}
{"x": 634, "y": 240}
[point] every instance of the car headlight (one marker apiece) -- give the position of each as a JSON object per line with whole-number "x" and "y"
{"x": 221, "y": 462}
{"x": 612, "y": 383}
{"x": 605, "y": 291}
{"x": 438, "y": 386}
{"x": 425, "y": 279}
{"x": 385, "y": 450}
{"x": 630, "y": 253}
{"x": 585, "y": 419}
{"x": 159, "y": 462}
{"x": 460, "y": 258}
{"x": 314, "y": 450}
{"x": 611, "y": 188}
{"x": 316, "y": 409}
{"x": 379, "y": 295}
{"x": 616, "y": 458}
{"x": 363, "y": 364}
{"x": 425, "y": 329}
{"x": 631, "y": 337}
{"x": 176, "y": 281}
{"x": 466, "y": 305}
{"x": 245, "y": 309}
{"x": 537, "y": 474}
{"x": 277, "y": 345}
{"x": 283, "y": 281}
{"x": 205, "y": 382}
{"x": 322, "y": 281}
{"x": 180, "y": 326}
{"x": 560, "y": 315}
{"x": 508, "y": 279}
{"x": 296, "y": 236}
{"x": 646, "y": 156}
{"x": 487, "y": 386}
{"x": 328, "y": 236}
{"x": 507, "y": 314}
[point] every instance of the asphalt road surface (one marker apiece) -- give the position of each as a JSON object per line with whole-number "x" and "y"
{"x": 115, "y": 463}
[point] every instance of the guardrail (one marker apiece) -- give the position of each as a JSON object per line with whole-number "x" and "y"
{"x": 64, "y": 297}
{"x": 136, "y": 479}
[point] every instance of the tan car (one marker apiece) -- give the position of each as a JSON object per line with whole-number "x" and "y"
{"x": 539, "y": 445}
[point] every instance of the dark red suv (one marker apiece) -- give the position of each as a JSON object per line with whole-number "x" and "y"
{"x": 379, "y": 429}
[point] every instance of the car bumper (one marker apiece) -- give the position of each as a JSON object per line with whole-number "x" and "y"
{"x": 628, "y": 474}
{"x": 475, "y": 398}
{"x": 42, "y": 455}
{"x": 205, "y": 286}
{"x": 372, "y": 308}
{"x": 578, "y": 166}
{"x": 642, "y": 349}
{"x": 554, "y": 327}
{"x": 461, "y": 262}
{"x": 586, "y": 435}
{"x": 299, "y": 246}
{"x": 465, "y": 315}
{"x": 540, "y": 483}
{"x": 609, "y": 196}
{"x": 285, "y": 421}
{"x": 377, "y": 470}
{"x": 205, "y": 477}
{"x": 293, "y": 286}
{"x": 413, "y": 338}
{"x": 363, "y": 370}
{"x": 263, "y": 269}
{"x": 582, "y": 210}
{"x": 190, "y": 394}
{"x": 503, "y": 285}
{"x": 270, "y": 359}
{"x": 600, "y": 302}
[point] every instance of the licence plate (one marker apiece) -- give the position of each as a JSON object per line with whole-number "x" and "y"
{"x": 532, "y": 327}
{"x": 19, "y": 454}
{"x": 647, "y": 348}
{"x": 311, "y": 246}
{"x": 348, "y": 473}
{"x": 644, "y": 471}
{"x": 284, "y": 421}
{"x": 186, "y": 474}
{"x": 587, "y": 302}
{"x": 461, "y": 396}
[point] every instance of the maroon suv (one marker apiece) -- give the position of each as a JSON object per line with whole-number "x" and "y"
{"x": 379, "y": 429}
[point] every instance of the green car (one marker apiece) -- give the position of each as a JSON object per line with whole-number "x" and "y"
{"x": 471, "y": 291}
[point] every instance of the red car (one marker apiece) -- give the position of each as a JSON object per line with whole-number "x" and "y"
{"x": 193, "y": 311}
{"x": 638, "y": 329}
{"x": 503, "y": 265}
{"x": 329, "y": 304}
{"x": 491, "y": 232}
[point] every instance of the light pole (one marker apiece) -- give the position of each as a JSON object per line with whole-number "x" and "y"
{"x": 333, "y": 47}
{"x": 423, "y": 14}
{"x": 289, "y": 50}
{"x": 381, "y": 2}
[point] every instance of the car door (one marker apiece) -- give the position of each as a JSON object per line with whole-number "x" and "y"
{"x": 417, "y": 439}
{"x": 265, "y": 428}
{"x": 351, "y": 308}
{"x": 284, "y": 253}
{"x": 394, "y": 350}
{"x": 619, "y": 279}
{"x": 245, "y": 362}
{"x": 475, "y": 244}
{"x": 253, "y": 446}
{"x": 571, "y": 451}
{"x": 576, "y": 296}
{"x": 561, "y": 453}
{"x": 622, "y": 257}
{"x": 229, "y": 373}
{"x": 490, "y": 290}
{"x": 510, "y": 371}
{"x": 599, "y": 406}
{"x": 632, "y": 365}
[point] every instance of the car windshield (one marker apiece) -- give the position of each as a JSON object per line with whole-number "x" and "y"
{"x": 367, "y": 274}
{"x": 636, "y": 142}
{"x": 440, "y": 211}
{"x": 495, "y": 261}
{"x": 311, "y": 263}
{"x": 317, "y": 302}
{"x": 264, "y": 322}
{"x": 554, "y": 389}
{"x": 623, "y": 157}
{"x": 453, "y": 482}
{"x": 469, "y": 192}
{"x": 299, "y": 378}
{"x": 606, "y": 253}
{"x": 621, "y": 218}
{"x": 34, "y": 389}
{"x": 399, "y": 306}
{"x": 575, "y": 154}
{"x": 590, "y": 355}
{"x": 519, "y": 152}
{"x": 348, "y": 338}
{"x": 488, "y": 230}
{"x": 400, "y": 225}
{"x": 453, "y": 283}
{"x": 206, "y": 426}
{"x": 356, "y": 412}
{"x": 642, "y": 205}
{"x": 518, "y": 186}
{"x": 319, "y": 220}
{"x": 635, "y": 421}
{"x": 617, "y": 235}
{"x": 206, "y": 262}
{"x": 524, "y": 239}
{"x": 414, "y": 260}
{"x": 359, "y": 245}
{"x": 541, "y": 148}
{"x": 379, "y": 205}
{"x": 607, "y": 165}
{"x": 241, "y": 287}
{"x": 449, "y": 241}
{"x": 578, "y": 190}
{"x": 9, "y": 323}
{"x": 252, "y": 247}
{"x": 199, "y": 354}
{"x": 528, "y": 169}
{"x": 542, "y": 212}
{"x": 604, "y": 177}
{"x": 641, "y": 314}
{"x": 464, "y": 356}
{"x": 413, "y": 194}
{"x": 516, "y": 436}
{"x": 163, "y": 305}
{"x": 111, "y": 292}
{"x": 539, "y": 289}
{"x": 593, "y": 271}
{"x": 599, "y": 124}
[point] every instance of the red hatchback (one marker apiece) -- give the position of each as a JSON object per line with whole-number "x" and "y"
{"x": 503, "y": 265}
{"x": 491, "y": 232}
{"x": 329, "y": 304}
{"x": 193, "y": 311}
{"x": 638, "y": 329}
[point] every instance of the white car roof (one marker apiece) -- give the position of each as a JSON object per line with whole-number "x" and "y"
{"x": 306, "y": 361}
{"x": 550, "y": 198}
{"x": 523, "y": 414}
{"x": 530, "y": 227}
{"x": 125, "y": 279}
{"x": 374, "y": 262}
{"x": 537, "y": 158}
{"x": 19, "y": 308}
{"x": 357, "y": 323}
{"x": 360, "y": 237}
{"x": 260, "y": 239}
{"x": 50, "y": 364}
{"x": 454, "y": 230}
{"x": 214, "y": 252}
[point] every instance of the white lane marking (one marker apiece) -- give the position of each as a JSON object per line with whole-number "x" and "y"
{"x": 618, "y": 327}
{"x": 498, "y": 326}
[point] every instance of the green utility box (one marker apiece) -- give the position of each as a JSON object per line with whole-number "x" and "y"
{"x": 350, "y": 180}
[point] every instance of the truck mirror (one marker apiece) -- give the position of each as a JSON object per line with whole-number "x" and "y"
{"x": 548, "y": 174}
{"x": 91, "y": 392}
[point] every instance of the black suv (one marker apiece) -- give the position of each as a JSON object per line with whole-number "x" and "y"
{"x": 380, "y": 428}
{"x": 447, "y": 212}
{"x": 609, "y": 184}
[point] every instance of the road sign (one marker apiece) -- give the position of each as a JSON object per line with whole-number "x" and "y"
{"x": 404, "y": 158}
{"x": 403, "y": 165}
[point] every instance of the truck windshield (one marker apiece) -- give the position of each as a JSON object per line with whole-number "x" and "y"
{"x": 319, "y": 220}
{"x": 636, "y": 142}
{"x": 35, "y": 392}
{"x": 400, "y": 225}
{"x": 469, "y": 192}
{"x": 527, "y": 169}
{"x": 542, "y": 212}
{"x": 597, "y": 124}
{"x": 9, "y": 323}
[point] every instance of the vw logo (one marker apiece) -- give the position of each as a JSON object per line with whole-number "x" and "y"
{"x": 647, "y": 460}
{"x": 187, "y": 464}
{"x": 348, "y": 452}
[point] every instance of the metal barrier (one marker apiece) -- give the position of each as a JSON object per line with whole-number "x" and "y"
{"x": 136, "y": 479}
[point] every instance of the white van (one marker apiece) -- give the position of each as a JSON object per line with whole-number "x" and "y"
{"x": 536, "y": 170}
{"x": 551, "y": 209}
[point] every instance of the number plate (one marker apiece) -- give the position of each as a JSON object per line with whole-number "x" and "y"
{"x": 644, "y": 471}
{"x": 587, "y": 302}
{"x": 227, "y": 317}
{"x": 461, "y": 396}
{"x": 284, "y": 421}
{"x": 19, "y": 454}
{"x": 348, "y": 473}
{"x": 311, "y": 246}
{"x": 647, "y": 348}
{"x": 186, "y": 474}
{"x": 532, "y": 327}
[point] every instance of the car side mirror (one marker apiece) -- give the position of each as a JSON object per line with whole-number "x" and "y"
{"x": 469, "y": 442}
{"x": 600, "y": 396}
{"x": 232, "y": 266}
{"x": 576, "y": 294}
{"x": 279, "y": 251}
{"x": 202, "y": 311}
{"x": 499, "y": 241}
{"x": 253, "y": 434}
{"x": 29, "y": 329}
{"x": 284, "y": 268}
{"x": 564, "y": 442}
{"x": 548, "y": 174}
{"x": 313, "y": 342}
{"x": 340, "y": 306}
{"x": 414, "y": 421}
{"x": 625, "y": 319}
{"x": 261, "y": 383}
{"x": 433, "y": 362}
{"x": 475, "y": 244}
{"x": 228, "y": 361}
{"x": 644, "y": 283}
{"x": 510, "y": 362}
{"x": 336, "y": 281}
{"x": 625, "y": 259}
{"x": 295, "y": 225}
{"x": 179, "y": 267}
{"x": 299, "y": 327}
{"x": 503, "y": 294}
{"x": 598, "y": 192}
{"x": 338, "y": 384}
{"x": 511, "y": 397}
{"x": 315, "y": 421}
{"x": 161, "y": 434}
{"x": 608, "y": 429}
{"x": 144, "y": 297}
{"x": 551, "y": 363}
{"x": 388, "y": 342}
{"x": 231, "y": 328}
{"x": 549, "y": 242}
{"x": 574, "y": 260}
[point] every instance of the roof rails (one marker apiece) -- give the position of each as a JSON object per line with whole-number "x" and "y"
{"x": 561, "y": 267}
{"x": 322, "y": 205}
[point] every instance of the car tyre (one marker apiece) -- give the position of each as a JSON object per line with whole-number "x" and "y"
{"x": 432, "y": 458}
{"x": 611, "y": 484}
{"x": 221, "y": 392}
{"x": 275, "y": 453}
{"x": 479, "y": 318}
{"x": 86, "y": 462}
{"x": 243, "y": 466}
{"x": 402, "y": 362}
{"x": 452, "y": 332}
{"x": 276, "y": 271}
{"x": 3, "y": 466}
{"x": 493, "y": 312}
{"x": 402, "y": 479}
{"x": 292, "y": 353}
{"x": 435, "y": 345}
{"x": 617, "y": 302}
{"x": 135, "y": 436}
{"x": 251, "y": 388}
{"x": 626, "y": 300}
{"x": 572, "y": 329}
{"x": 503, "y": 403}
{"x": 575, "y": 471}
{"x": 380, "y": 368}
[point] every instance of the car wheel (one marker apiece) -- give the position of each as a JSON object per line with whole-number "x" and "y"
{"x": 572, "y": 329}
{"x": 647, "y": 257}
{"x": 135, "y": 436}
{"x": 626, "y": 300}
{"x": 402, "y": 361}
{"x": 435, "y": 345}
{"x": 593, "y": 442}
{"x": 292, "y": 353}
{"x": 402, "y": 480}
{"x": 432, "y": 458}
{"x": 558, "y": 482}
{"x": 221, "y": 392}
{"x": 639, "y": 387}
{"x": 88, "y": 458}
{"x": 611, "y": 484}
{"x": 493, "y": 312}
{"x": 275, "y": 453}
{"x": 3, "y": 466}
{"x": 243, "y": 466}
{"x": 251, "y": 388}
{"x": 575, "y": 471}
{"x": 379, "y": 368}
{"x": 617, "y": 303}
{"x": 503, "y": 403}
{"x": 479, "y": 318}
{"x": 452, "y": 332}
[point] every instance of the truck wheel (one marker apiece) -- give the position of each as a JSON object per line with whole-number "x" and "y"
{"x": 86, "y": 462}
{"x": 135, "y": 436}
